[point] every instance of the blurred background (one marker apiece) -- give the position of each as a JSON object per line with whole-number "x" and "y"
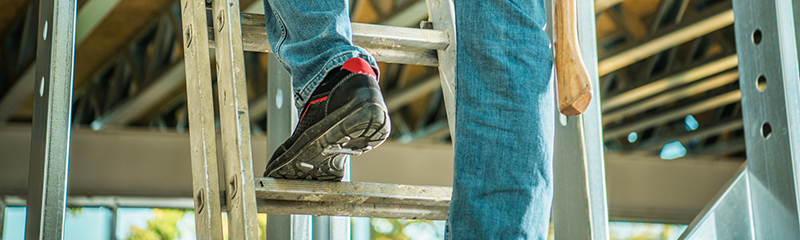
{"x": 672, "y": 125}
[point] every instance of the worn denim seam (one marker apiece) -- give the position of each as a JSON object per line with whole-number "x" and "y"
{"x": 282, "y": 39}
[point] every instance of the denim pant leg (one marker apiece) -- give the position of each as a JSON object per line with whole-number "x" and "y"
{"x": 310, "y": 38}
{"x": 502, "y": 186}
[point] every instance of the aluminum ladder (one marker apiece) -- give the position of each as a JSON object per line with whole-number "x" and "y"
{"x": 583, "y": 203}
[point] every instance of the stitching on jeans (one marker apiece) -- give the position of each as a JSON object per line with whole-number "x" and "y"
{"x": 282, "y": 39}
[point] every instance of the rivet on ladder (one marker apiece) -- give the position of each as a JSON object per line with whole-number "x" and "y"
{"x": 220, "y": 21}
{"x": 188, "y": 35}
{"x": 233, "y": 186}
{"x": 199, "y": 202}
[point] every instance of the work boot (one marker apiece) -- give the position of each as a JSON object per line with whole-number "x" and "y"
{"x": 346, "y": 115}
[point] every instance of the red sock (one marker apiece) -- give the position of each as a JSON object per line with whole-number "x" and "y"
{"x": 359, "y": 65}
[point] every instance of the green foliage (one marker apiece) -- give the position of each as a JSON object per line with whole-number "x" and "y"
{"x": 392, "y": 229}
{"x": 162, "y": 227}
{"x": 75, "y": 211}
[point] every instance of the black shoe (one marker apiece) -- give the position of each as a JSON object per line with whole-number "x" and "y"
{"x": 345, "y": 115}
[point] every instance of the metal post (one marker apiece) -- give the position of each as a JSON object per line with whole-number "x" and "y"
{"x": 579, "y": 205}
{"x": 767, "y": 46}
{"x": 281, "y": 120}
{"x": 202, "y": 132}
{"x": 47, "y": 179}
{"x": 114, "y": 222}
{"x": 2, "y": 215}
{"x": 443, "y": 16}
{"x": 235, "y": 122}
{"x": 762, "y": 201}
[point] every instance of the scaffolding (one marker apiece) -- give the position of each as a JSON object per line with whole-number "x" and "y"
{"x": 760, "y": 202}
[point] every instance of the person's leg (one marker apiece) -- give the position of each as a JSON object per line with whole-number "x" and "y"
{"x": 502, "y": 186}
{"x": 311, "y": 38}
{"x": 342, "y": 111}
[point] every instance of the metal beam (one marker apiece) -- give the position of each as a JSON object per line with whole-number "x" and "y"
{"x": 728, "y": 215}
{"x": 718, "y": 17}
{"x": 668, "y": 97}
{"x": 50, "y": 137}
{"x": 133, "y": 108}
{"x": 674, "y": 80}
{"x": 282, "y": 119}
{"x": 768, "y": 42}
{"x": 768, "y": 206}
{"x": 670, "y": 115}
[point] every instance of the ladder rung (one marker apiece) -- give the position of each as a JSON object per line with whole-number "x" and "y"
{"x": 281, "y": 196}
{"x": 386, "y": 43}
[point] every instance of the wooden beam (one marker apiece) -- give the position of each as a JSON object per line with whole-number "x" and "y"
{"x": 719, "y": 17}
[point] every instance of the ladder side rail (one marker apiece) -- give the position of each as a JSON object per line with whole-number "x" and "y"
{"x": 234, "y": 121}
{"x": 580, "y": 205}
{"x": 50, "y": 137}
{"x": 202, "y": 132}
{"x": 443, "y": 16}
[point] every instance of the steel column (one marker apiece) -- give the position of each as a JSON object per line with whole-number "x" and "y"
{"x": 47, "y": 178}
{"x": 767, "y": 47}
{"x": 235, "y": 122}
{"x": 202, "y": 132}
{"x": 2, "y": 216}
{"x": 281, "y": 120}
{"x": 579, "y": 205}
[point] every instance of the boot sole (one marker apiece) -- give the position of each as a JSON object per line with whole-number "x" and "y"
{"x": 364, "y": 128}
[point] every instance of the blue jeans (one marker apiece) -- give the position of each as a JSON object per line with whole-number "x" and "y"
{"x": 502, "y": 185}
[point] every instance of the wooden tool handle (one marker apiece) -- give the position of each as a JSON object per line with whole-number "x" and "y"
{"x": 574, "y": 87}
